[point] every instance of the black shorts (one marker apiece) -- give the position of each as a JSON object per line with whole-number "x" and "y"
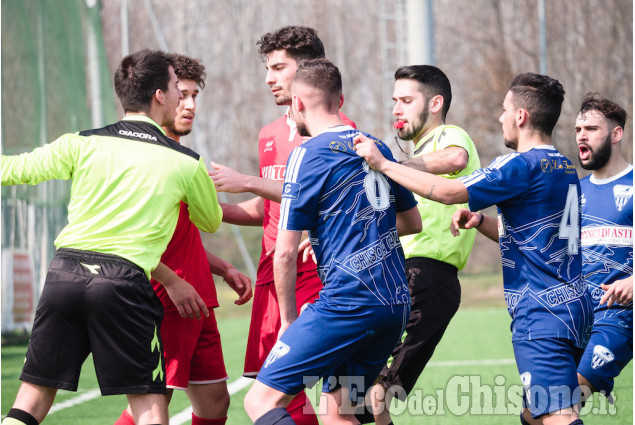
{"x": 101, "y": 304}
{"x": 436, "y": 294}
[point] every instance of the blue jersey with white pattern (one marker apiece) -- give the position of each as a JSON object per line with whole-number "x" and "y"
{"x": 537, "y": 195}
{"x": 350, "y": 213}
{"x": 607, "y": 239}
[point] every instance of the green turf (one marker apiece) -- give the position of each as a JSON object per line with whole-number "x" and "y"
{"x": 446, "y": 393}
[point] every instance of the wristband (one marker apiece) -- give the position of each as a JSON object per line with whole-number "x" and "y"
{"x": 480, "y": 221}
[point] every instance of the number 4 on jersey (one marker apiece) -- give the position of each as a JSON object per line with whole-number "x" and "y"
{"x": 570, "y": 223}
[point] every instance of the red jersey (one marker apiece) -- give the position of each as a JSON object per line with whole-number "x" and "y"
{"x": 185, "y": 255}
{"x": 275, "y": 143}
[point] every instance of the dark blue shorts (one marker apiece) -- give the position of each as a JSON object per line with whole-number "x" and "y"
{"x": 608, "y": 352}
{"x": 547, "y": 370}
{"x": 345, "y": 345}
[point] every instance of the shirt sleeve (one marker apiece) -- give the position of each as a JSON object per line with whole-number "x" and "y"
{"x": 305, "y": 176}
{"x": 55, "y": 160}
{"x": 202, "y": 200}
{"x": 454, "y": 136}
{"x": 506, "y": 177}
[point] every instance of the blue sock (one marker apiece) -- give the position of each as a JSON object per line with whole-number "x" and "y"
{"x": 277, "y": 416}
{"x": 577, "y": 422}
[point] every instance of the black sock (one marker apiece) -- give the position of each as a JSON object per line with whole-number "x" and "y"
{"x": 277, "y": 416}
{"x": 577, "y": 422}
{"x": 22, "y": 416}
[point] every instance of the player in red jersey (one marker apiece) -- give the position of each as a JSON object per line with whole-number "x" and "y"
{"x": 281, "y": 51}
{"x": 192, "y": 348}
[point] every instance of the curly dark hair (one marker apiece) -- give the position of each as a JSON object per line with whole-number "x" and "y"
{"x": 541, "y": 96}
{"x": 300, "y": 43}
{"x": 187, "y": 68}
{"x": 611, "y": 110}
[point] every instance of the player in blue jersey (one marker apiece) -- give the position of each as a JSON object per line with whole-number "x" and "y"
{"x": 607, "y": 241}
{"x": 537, "y": 192}
{"x": 354, "y": 216}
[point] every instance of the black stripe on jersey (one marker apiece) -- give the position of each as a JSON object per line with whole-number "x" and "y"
{"x": 141, "y": 132}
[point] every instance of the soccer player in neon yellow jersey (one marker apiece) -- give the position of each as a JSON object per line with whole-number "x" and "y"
{"x": 97, "y": 297}
{"x": 422, "y": 97}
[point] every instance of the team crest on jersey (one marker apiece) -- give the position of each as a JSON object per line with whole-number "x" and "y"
{"x": 601, "y": 356}
{"x": 622, "y": 194}
{"x": 545, "y": 166}
{"x": 336, "y": 146}
{"x": 278, "y": 350}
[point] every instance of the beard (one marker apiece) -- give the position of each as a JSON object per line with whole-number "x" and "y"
{"x": 302, "y": 129}
{"x": 413, "y": 132}
{"x": 511, "y": 144}
{"x": 179, "y": 131}
{"x": 599, "y": 158}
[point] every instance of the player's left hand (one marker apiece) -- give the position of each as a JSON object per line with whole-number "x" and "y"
{"x": 367, "y": 149}
{"x": 307, "y": 251}
{"x": 187, "y": 301}
{"x": 619, "y": 292}
{"x": 227, "y": 179}
{"x": 464, "y": 219}
{"x": 240, "y": 283}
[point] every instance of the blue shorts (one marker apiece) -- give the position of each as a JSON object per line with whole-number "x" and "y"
{"x": 343, "y": 344}
{"x": 547, "y": 370}
{"x": 608, "y": 352}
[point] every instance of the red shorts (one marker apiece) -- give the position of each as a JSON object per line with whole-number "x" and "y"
{"x": 265, "y": 318}
{"x": 192, "y": 351}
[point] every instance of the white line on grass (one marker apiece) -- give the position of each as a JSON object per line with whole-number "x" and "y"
{"x": 488, "y": 362}
{"x": 89, "y": 395}
{"x": 242, "y": 382}
{"x": 233, "y": 387}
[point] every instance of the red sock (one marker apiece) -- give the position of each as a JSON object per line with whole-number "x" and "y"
{"x": 125, "y": 419}
{"x": 301, "y": 410}
{"x": 200, "y": 421}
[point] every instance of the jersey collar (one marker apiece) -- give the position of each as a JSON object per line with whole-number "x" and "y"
{"x": 593, "y": 180}
{"x": 143, "y": 118}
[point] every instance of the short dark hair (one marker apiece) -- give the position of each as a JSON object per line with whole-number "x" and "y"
{"x": 300, "y": 43}
{"x": 611, "y": 110}
{"x": 432, "y": 81}
{"x": 321, "y": 74}
{"x": 541, "y": 96}
{"x": 187, "y": 68}
{"x": 139, "y": 76}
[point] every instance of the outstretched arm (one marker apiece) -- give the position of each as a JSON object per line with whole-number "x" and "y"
{"x": 436, "y": 188}
{"x": 229, "y": 180}
{"x": 247, "y": 213}
{"x": 444, "y": 161}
